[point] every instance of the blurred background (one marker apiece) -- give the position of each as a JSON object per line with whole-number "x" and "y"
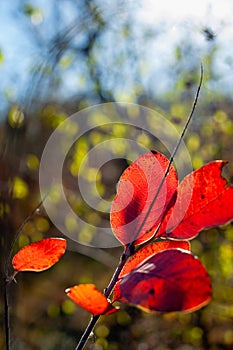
{"x": 59, "y": 57}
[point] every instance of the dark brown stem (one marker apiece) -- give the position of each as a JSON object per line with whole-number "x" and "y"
{"x": 127, "y": 253}
{"x": 129, "y": 250}
{"x": 6, "y": 315}
{"x": 6, "y": 282}
{"x": 87, "y": 332}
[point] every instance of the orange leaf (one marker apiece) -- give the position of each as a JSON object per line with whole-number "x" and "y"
{"x": 91, "y": 299}
{"x": 39, "y": 256}
{"x": 144, "y": 253}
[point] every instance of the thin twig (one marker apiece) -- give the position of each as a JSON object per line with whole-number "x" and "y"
{"x": 107, "y": 292}
{"x": 20, "y": 229}
{"x": 6, "y": 315}
{"x": 87, "y": 332}
{"x": 172, "y": 156}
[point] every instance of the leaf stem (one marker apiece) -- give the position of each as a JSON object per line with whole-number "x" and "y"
{"x": 124, "y": 257}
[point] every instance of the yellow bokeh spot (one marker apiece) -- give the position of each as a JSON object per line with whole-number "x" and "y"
{"x": 123, "y": 96}
{"x": 104, "y": 206}
{"x": 19, "y": 188}
{"x": 193, "y": 142}
{"x": 227, "y": 127}
{"x": 58, "y": 119}
{"x": 102, "y": 331}
{"x": 42, "y": 224}
{"x": 95, "y": 137}
{"x": 220, "y": 116}
{"x": 99, "y": 118}
{"x": 118, "y": 147}
{"x": 101, "y": 343}
{"x": 118, "y": 130}
{"x": 32, "y": 162}
{"x": 29, "y": 228}
{"x": 197, "y": 162}
{"x": 16, "y": 117}
{"x": 144, "y": 140}
{"x": 55, "y": 194}
{"x": 93, "y": 218}
{"x": 178, "y": 109}
{"x": 66, "y": 61}
{"x": 71, "y": 223}
{"x": 23, "y": 240}
{"x": 4, "y": 209}
{"x": 52, "y": 117}
{"x": 68, "y": 307}
{"x": 196, "y": 334}
{"x": 74, "y": 169}
{"x": 81, "y": 149}
{"x": 226, "y": 259}
{"x": 85, "y": 236}
{"x": 228, "y": 337}
{"x": 92, "y": 174}
{"x": 1, "y": 57}
{"x": 197, "y": 247}
{"x": 123, "y": 318}
{"x": 70, "y": 127}
{"x": 229, "y": 233}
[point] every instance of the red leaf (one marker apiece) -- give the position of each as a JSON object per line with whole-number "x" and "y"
{"x": 210, "y": 205}
{"x": 171, "y": 280}
{"x": 91, "y": 299}
{"x": 144, "y": 253}
{"x": 39, "y": 256}
{"x": 137, "y": 189}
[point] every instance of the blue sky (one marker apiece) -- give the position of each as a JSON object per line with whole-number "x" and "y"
{"x": 19, "y": 53}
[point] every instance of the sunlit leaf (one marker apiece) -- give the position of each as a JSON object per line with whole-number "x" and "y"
{"x": 91, "y": 299}
{"x": 134, "y": 216}
{"x": 210, "y": 205}
{"x": 171, "y": 280}
{"x": 144, "y": 253}
{"x": 39, "y": 256}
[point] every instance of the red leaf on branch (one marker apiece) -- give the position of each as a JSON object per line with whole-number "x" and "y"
{"x": 144, "y": 253}
{"x": 137, "y": 189}
{"x": 171, "y": 280}
{"x": 91, "y": 299}
{"x": 39, "y": 256}
{"x": 210, "y": 204}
